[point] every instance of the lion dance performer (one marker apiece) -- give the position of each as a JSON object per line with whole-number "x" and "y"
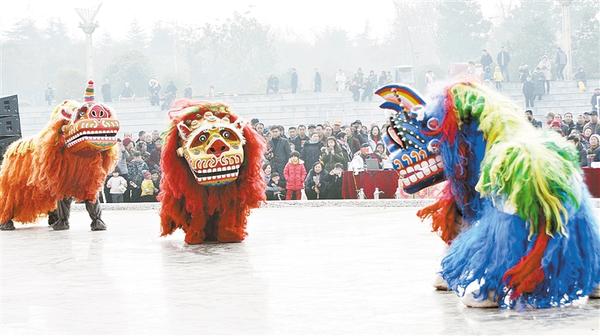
{"x": 211, "y": 164}
{"x": 515, "y": 209}
{"x": 69, "y": 159}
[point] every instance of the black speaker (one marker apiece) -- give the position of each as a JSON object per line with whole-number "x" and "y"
{"x": 10, "y": 106}
{"x": 10, "y": 124}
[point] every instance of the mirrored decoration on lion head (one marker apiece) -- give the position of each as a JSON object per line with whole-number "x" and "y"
{"x": 414, "y": 150}
{"x": 211, "y": 143}
{"x": 91, "y": 127}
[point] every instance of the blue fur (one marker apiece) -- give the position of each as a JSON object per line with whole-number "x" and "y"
{"x": 467, "y": 198}
{"x": 497, "y": 241}
{"x": 493, "y": 241}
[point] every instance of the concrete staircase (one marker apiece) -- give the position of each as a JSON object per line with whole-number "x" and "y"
{"x": 307, "y": 108}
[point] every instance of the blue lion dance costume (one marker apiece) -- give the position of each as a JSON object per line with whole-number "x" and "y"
{"x": 515, "y": 210}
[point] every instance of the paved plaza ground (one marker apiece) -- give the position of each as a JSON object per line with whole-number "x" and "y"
{"x": 302, "y": 270}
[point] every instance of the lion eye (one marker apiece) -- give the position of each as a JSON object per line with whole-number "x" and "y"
{"x": 228, "y": 135}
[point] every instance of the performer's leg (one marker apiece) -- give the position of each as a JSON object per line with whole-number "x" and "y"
{"x": 63, "y": 211}
{"x": 95, "y": 213}
{"x": 52, "y": 217}
{"x": 232, "y": 227}
{"x": 194, "y": 233}
{"x": 210, "y": 228}
{"x": 7, "y": 226}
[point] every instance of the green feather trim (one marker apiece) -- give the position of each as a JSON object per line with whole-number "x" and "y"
{"x": 534, "y": 178}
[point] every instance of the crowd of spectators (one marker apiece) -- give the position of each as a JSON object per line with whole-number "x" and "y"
{"x": 583, "y": 132}
{"x": 136, "y": 177}
{"x": 307, "y": 161}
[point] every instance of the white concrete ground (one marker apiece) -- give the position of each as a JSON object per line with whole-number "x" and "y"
{"x": 301, "y": 271}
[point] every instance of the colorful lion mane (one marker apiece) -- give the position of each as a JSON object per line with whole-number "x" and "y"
{"x": 515, "y": 210}
{"x": 38, "y": 172}
{"x": 208, "y": 213}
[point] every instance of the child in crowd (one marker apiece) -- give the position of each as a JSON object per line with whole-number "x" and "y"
{"x": 294, "y": 173}
{"x": 498, "y": 78}
{"x": 156, "y": 182}
{"x": 148, "y": 190}
{"x": 275, "y": 188}
{"x": 117, "y": 186}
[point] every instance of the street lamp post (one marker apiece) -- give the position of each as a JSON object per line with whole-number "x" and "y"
{"x": 88, "y": 24}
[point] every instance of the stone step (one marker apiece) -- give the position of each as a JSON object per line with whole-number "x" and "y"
{"x": 307, "y": 108}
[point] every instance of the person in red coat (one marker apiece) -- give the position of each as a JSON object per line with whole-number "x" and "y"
{"x": 294, "y": 173}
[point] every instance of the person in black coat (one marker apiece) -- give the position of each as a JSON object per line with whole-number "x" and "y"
{"x": 595, "y": 100}
{"x": 531, "y": 119}
{"x": 539, "y": 80}
{"x": 318, "y": 81}
{"x": 332, "y": 154}
{"x": 280, "y": 150}
{"x": 583, "y": 160}
{"x": 332, "y": 188}
{"x": 529, "y": 92}
{"x": 486, "y": 59}
{"x": 275, "y": 190}
{"x": 503, "y": 59}
{"x": 315, "y": 182}
{"x": 311, "y": 152}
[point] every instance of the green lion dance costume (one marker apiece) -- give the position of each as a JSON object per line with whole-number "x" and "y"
{"x": 515, "y": 211}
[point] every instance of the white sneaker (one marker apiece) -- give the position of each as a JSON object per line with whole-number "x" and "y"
{"x": 440, "y": 284}
{"x": 469, "y": 299}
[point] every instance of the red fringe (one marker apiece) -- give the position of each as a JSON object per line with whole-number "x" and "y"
{"x": 189, "y": 206}
{"x": 528, "y": 273}
{"x": 444, "y": 215}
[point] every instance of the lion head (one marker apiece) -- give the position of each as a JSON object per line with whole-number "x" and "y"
{"x": 212, "y": 145}
{"x": 87, "y": 128}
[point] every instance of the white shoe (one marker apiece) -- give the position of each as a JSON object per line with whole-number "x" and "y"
{"x": 440, "y": 284}
{"x": 595, "y": 294}
{"x": 469, "y": 299}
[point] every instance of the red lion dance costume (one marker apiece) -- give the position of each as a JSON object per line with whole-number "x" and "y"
{"x": 211, "y": 164}
{"x": 70, "y": 158}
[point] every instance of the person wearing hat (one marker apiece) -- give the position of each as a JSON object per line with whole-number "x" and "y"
{"x": 359, "y": 160}
{"x": 593, "y": 123}
{"x": 337, "y": 127}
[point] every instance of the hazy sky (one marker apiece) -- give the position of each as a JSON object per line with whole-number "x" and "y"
{"x": 295, "y": 18}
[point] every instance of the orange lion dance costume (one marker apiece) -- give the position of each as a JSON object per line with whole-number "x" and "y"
{"x": 70, "y": 158}
{"x": 211, "y": 164}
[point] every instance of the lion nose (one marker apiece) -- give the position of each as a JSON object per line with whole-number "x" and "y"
{"x": 218, "y": 147}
